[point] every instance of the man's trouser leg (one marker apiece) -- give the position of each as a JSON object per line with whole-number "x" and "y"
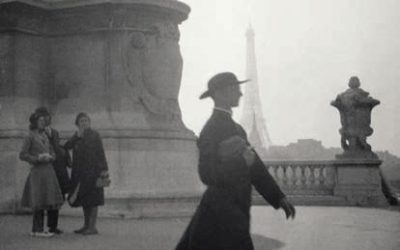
{"x": 52, "y": 219}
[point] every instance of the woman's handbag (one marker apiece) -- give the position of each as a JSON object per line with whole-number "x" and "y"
{"x": 103, "y": 180}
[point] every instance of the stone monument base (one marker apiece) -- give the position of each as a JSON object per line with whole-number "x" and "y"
{"x": 359, "y": 182}
{"x": 153, "y": 174}
{"x": 120, "y": 62}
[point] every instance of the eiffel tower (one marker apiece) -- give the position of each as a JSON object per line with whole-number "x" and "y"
{"x": 252, "y": 118}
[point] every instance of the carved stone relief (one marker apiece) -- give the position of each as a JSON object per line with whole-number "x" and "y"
{"x": 153, "y": 67}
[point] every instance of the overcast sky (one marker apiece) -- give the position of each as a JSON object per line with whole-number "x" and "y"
{"x": 306, "y": 52}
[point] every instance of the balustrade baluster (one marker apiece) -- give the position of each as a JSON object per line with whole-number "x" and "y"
{"x": 284, "y": 175}
{"x": 271, "y": 170}
{"x": 276, "y": 168}
{"x": 321, "y": 176}
{"x": 294, "y": 175}
{"x": 303, "y": 177}
{"x": 312, "y": 175}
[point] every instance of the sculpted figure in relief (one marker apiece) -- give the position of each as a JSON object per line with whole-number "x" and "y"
{"x": 153, "y": 67}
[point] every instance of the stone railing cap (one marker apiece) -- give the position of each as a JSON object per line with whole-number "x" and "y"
{"x": 337, "y": 162}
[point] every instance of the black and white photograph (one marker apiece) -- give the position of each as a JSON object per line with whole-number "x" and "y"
{"x": 199, "y": 124}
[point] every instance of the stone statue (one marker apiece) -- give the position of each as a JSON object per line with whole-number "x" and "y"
{"x": 355, "y": 106}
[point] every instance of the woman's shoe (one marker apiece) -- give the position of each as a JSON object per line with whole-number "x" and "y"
{"x": 90, "y": 232}
{"x": 80, "y": 231}
{"x": 44, "y": 234}
{"x": 92, "y": 217}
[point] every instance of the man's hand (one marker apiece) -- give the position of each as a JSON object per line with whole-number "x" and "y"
{"x": 249, "y": 156}
{"x": 289, "y": 209}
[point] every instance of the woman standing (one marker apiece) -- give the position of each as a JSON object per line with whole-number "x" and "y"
{"x": 60, "y": 165}
{"x": 42, "y": 191}
{"x": 88, "y": 165}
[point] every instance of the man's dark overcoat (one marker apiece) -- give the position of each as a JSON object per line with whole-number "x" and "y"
{"x": 222, "y": 220}
{"x": 61, "y": 162}
{"x": 89, "y": 160}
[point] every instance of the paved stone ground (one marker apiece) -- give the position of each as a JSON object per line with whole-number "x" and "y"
{"x": 322, "y": 228}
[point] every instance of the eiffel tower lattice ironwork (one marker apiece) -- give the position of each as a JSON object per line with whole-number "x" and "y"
{"x": 252, "y": 118}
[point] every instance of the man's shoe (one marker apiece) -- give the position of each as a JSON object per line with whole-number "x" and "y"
{"x": 56, "y": 231}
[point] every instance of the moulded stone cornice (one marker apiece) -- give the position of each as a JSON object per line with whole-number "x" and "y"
{"x": 60, "y": 4}
{"x": 105, "y": 16}
{"x": 180, "y": 9}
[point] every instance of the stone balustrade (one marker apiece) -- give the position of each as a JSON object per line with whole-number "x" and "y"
{"x": 332, "y": 182}
{"x": 304, "y": 177}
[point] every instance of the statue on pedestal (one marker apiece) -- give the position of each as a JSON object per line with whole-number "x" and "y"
{"x": 355, "y": 106}
{"x": 120, "y": 61}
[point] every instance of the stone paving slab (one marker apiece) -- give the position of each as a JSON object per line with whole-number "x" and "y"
{"x": 314, "y": 228}
{"x": 329, "y": 228}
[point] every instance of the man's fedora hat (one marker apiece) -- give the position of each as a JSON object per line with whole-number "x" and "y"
{"x": 219, "y": 81}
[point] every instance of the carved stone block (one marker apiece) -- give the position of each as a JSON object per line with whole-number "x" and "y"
{"x": 359, "y": 182}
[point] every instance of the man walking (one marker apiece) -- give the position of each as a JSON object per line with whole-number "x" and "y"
{"x": 228, "y": 166}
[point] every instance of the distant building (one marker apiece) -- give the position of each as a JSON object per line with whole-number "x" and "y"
{"x": 303, "y": 149}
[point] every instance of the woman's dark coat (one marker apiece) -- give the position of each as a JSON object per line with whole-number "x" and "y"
{"x": 61, "y": 162}
{"x": 89, "y": 161}
{"x": 222, "y": 220}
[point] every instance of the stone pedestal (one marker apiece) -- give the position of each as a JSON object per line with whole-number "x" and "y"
{"x": 120, "y": 62}
{"x": 358, "y": 177}
{"x": 359, "y": 182}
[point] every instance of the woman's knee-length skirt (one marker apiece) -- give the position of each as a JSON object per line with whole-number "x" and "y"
{"x": 42, "y": 190}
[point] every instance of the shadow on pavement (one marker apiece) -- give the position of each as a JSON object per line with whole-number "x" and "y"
{"x": 262, "y": 242}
